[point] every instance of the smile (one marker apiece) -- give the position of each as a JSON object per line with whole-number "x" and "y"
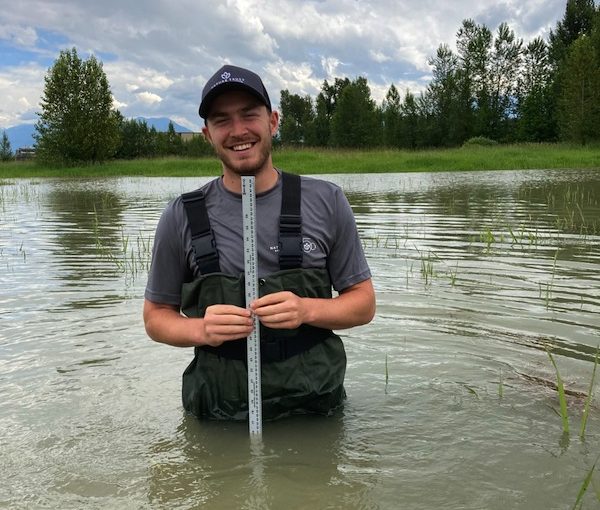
{"x": 242, "y": 147}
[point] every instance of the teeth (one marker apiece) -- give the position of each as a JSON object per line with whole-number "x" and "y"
{"x": 242, "y": 147}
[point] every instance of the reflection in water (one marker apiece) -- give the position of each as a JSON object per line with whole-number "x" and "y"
{"x": 451, "y": 395}
{"x": 299, "y": 459}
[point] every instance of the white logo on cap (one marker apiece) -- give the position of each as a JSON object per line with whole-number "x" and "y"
{"x": 226, "y": 75}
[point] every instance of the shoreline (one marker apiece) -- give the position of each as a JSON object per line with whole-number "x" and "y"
{"x": 312, "y": 161}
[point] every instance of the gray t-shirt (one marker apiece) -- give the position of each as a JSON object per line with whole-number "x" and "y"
{"x": 329, "y": 235}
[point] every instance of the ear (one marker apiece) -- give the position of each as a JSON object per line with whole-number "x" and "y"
{"x": 274, "y": 122}
{"x": 206, "y": 134}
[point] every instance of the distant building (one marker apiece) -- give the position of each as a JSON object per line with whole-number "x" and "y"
{"x": 187, "y": 136}
{"x": 24, "y": 153}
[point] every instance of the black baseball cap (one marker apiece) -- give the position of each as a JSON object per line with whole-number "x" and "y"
{"x": 232, "y": 78}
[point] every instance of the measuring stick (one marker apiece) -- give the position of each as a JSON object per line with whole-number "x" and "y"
{"x": 251, "y": 276}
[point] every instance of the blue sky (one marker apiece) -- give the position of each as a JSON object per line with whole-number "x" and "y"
{"x": 158, "y": 54}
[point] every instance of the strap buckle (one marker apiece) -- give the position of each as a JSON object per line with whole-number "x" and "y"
{"x": 205, "y": 251}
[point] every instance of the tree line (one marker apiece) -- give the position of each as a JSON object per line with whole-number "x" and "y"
{"x": 493, "y": 86}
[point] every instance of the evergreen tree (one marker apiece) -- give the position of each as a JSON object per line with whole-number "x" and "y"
{"x": 577, "y": 20}
{"x": 410, "y": 136}
{"x": 6, "y": 153}
{"x": 579, "y": 104}
{"x": 391, "y": 117}
{"x": 77, "y": 123}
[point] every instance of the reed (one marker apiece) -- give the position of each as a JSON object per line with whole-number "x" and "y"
{"x": 387, "y": 374}
{"x": 564, "y": 414}
{"x": 588, "y": 400}
{"x": 584, "y": 487}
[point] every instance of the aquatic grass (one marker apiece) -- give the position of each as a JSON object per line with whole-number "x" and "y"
{"x": 488, "y": 238}
{"x": 549, "y": 286}
{"x": 564, "y": 414}
{"x": 584, "y": 487}
{"x": 501, "y": 385}
{"x": 588, "y": 400}
{"x": 387, "y": 374}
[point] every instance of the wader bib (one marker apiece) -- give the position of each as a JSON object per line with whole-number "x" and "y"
{"x": 302, "y": 370}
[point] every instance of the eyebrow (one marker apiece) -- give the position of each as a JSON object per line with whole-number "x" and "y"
{"x": 245, "y": 109}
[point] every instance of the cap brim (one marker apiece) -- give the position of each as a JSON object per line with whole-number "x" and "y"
{"x": 204, "y": 108}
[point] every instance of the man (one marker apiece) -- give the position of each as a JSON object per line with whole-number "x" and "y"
{"x": 307, "y": 242}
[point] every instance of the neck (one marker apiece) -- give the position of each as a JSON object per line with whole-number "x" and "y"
{"x": 265, "y": 179}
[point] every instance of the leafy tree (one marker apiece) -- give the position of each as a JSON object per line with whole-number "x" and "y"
{"x": 535, "y": 112}
{"x": 169, "y": 143}
{"x": 77, "y": 123}
{"x": 297, "y": 117}
{"x": 355, "y": 121}
{"x": 136, "y": 140}
{"x": 445, "y": 99}
{"x": 326, "y": 105}
{"x": 6, "y": 153}
{"x": 579, "y": 103}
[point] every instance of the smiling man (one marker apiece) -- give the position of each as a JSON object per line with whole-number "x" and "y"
{"x": 307, "y": 244}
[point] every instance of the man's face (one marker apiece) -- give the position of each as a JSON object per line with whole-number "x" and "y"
{"x": 240, "y": 129}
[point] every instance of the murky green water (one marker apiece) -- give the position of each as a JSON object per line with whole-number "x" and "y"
{"x": 448, "y": 407}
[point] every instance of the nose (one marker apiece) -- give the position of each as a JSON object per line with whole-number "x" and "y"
{"x": 238, "y": 126}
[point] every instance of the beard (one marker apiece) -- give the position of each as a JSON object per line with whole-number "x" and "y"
{"x": 248, "y": 166}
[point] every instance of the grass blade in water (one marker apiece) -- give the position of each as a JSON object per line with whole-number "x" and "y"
{"x": 561, "y": 396}
{"x": 588, "y": 400}
{"x": 584, "y": 486}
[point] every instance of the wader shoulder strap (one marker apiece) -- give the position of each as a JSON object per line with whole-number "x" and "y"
{"x": 290, "y": 223}
{"x": 203, "y": 238}
{"x": 290, "y": 227}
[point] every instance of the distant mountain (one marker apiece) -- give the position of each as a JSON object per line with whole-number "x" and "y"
{"x": 22, "y": 135}
{"x": 162, "y": 124}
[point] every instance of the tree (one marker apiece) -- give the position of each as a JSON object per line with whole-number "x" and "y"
{"x": 535, "y": 112}
{"x": 6, "y": 153}
{"x": 391, "y": 117}
{"x": 409, "y": 124}
{"x": 355, "y": 121}
{"x": 579, "y": 103}
{"x": 297, "y": 116}
{"x": 326, "y": 105}
{"x": 577, "y": 20}
{"x": 77, "y": 122}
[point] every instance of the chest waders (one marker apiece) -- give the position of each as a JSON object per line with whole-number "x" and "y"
{"x": 302, "y": 370}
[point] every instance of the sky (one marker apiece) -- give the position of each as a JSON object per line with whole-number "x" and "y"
{"x": 158, "y": 54}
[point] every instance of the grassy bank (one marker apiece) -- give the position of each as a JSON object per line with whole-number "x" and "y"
{"x": 320, "y": 161}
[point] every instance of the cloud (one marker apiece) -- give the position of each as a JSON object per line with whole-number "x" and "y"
{"x": 149, "y": 97}
{"x": 158, "y": 54}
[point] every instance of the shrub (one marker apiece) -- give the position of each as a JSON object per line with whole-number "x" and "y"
{"x": 480, "y": 141}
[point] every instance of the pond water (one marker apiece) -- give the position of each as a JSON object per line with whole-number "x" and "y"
{"x": 452, "y": 399}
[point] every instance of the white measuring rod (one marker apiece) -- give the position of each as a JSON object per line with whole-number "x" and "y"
{"x": 251, "y": 276}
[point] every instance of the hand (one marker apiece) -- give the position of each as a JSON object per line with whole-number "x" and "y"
{"x": 280, "y": 310}
{"x": 226, "y": 322}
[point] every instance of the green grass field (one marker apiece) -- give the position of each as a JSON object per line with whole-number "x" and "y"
{"x": 323, "y": 161}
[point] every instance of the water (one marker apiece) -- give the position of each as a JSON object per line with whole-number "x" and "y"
{"x": 449, "y": 404}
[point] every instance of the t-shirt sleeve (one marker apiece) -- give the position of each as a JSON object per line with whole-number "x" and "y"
{"x": 346, "y": 263}
{"x": 169, "y": 268}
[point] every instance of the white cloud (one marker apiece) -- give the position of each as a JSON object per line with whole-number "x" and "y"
{"x": 20, "y": 90}
{"x": 149, "y": 97}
